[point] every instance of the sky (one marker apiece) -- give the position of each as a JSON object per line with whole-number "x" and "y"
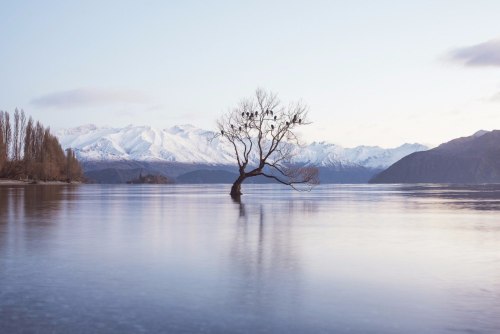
{"x": 372, "y": 72}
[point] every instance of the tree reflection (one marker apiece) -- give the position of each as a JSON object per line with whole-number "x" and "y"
{"x": 265, "y": 254}
{"x": 29, "y": 211}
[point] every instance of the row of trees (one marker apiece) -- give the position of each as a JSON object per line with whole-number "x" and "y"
{"x": 29, "y": 151}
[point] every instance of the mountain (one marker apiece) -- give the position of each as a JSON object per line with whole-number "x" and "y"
{"x": 207, "y": 176}
{"x": 217, "y": 176}
{"x": 473, "y": 159}
{"x": 112, "y": 175}
{"x": 182, "y": 149}
{"x": 188, "y": 144}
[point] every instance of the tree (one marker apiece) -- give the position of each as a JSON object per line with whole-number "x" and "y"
{"x": 262, "y": 132}
{"x": 7, "y": 134}
{"x": 16, "y": 138}
{"x": 3, "y": 146}
{"x": 30, "y": 151}
{"x": 73, "y": 169}
{"x": 18, "y": 135}
{"x": 29, "y": 154}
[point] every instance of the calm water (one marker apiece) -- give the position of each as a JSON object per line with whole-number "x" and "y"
{"x": 174, "y": 259}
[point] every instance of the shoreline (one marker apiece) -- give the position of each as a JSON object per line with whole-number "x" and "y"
{"x": 10, "y": 182}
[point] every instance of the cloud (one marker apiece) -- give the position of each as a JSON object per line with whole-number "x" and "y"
{"x": 495, "y": 98}
{"x": 483, "y": 54}
{"x": 89, "y": 97}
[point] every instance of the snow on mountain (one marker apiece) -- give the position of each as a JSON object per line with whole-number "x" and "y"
{"x": 325, "y": 154}
{"x": 188, "y": 144}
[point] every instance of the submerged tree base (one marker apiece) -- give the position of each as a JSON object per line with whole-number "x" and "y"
{"x": 236, "y": 188}
{"x": 236, "y": 198}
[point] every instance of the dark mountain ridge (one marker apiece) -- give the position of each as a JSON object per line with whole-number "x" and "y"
{"x": 473, "y": 159}
{"x": 123, "y": 171}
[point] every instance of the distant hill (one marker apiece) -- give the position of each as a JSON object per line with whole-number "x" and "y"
{"x": 473, "y": 159}
{"x": 125, "y": 171}
{"x": 346, "y": 174}
{"x": 217, "y": 176}
{"x": 207, "y": 176}
{"x": 112, "y": 175}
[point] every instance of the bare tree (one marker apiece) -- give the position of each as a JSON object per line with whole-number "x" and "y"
{"x": 22, "y": 133}
{"x": 18, "y": 134}
{"x": 30, "y": 151}
{"x": 3, "y": 146}
{"x": 15, "y": 137}
{"x": 7, "y": 134}
{"x": 262, "y": 132}
{"x": 29, "y": 155}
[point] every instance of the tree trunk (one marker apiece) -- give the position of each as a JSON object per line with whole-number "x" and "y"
{"x": 236, "y": 188}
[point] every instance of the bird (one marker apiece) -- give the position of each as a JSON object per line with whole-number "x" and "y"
{"x": 294, "y": 118}
{"x": 242, "y": 114}
{"x": 271, "y": 112}
{"x": 272, "y": 127}
{"x": 248, "y": 114}
{"x": 300, "y": 120}
{"x": 232, "y": 126}
{"x": 287, "y": 123}
{"x": 267, "y": 112}
{"x": 256, "y": 113}
{"x": 222, "y": 132}
{"x": 240, "y": 128}
{"x": 275, "y": 117}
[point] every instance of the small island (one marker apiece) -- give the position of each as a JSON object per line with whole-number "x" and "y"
{"x": 151, "y": 179}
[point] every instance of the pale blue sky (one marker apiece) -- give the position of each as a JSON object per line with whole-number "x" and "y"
{"x": 372, "y": 72}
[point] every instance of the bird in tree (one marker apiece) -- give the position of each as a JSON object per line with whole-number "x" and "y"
{"x": 265, "y": 141}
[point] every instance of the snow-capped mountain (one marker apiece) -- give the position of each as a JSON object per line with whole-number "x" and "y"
{"x": 188, "y": 144}
{"x": 325, "y": 154}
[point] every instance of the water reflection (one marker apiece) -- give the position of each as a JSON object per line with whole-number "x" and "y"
{"x": 342, "y": 259}
{"x": 264, "y": 255}
{"x": 477, "y": 197}
{"x": 29, "y": 212}
{"x": 35, "y": 201}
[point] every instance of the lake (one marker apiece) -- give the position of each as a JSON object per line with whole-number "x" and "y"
{"x": 188, "y": 259}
